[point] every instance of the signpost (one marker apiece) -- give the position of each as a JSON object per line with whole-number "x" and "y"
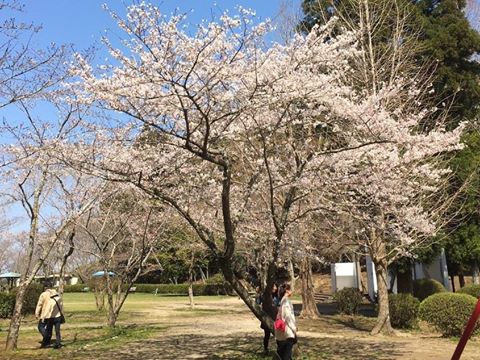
{"x": 467, "y": 332}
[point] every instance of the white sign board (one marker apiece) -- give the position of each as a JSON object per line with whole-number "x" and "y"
{"x": 343, "y": 275}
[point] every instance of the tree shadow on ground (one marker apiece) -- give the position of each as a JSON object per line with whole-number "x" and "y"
{"x": 242, "y": 347}
{"x": 367, "y": 310}
{"x": 334, "y": 322}
{"x": 358, "y": 323}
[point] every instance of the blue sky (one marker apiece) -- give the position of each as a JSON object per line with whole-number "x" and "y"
{"x": 83, "y": 22}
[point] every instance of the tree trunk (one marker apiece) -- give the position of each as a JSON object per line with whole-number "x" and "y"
{"x": 120, "y": 298}
{"x": 68, "y": 253}
{"x": 475, "y": 273}
{"x": 61, "y": 283}
{"x": 383, "y": 324}
{"x": 461, "y": 278}
{"x": 262, "y": 274}
{"x": 405, "y": 281}
{"x": 99, "y": 299}
{"x": 112, "y": 318}
{"x": 291, "y": 274}
{"x": 202, "y": 274}
{"x": 190, "y": 295}
{"x": 16, "y": 319}
{"x": 453, "y": 282}
{"x": 99, "y": 286}
{"x": 309, "y": 307}
{"x": 358, "y": 272}
{"x": 190, "y": 280}
{"x": 242, "y": 292}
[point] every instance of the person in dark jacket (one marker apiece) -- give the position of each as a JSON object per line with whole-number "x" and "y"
{"x": 271, "y": 311}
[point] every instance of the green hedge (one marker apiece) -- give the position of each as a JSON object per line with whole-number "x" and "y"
{"x": 403, "y": 310}
{"x": 31, "y": 297}
{"x": 472, "y": 289}
{"x": 74, "y": 288}
{"x": 7, "y": 304}
{"x": 216, "y": 279}
{"x": 168, "y": 289}
{"x": 182, "y": 289}
{"x": 448, "y": 312}
{"x": 7, "y": 301}
{"x": 423, "y": 288}
{"x": 348, "y": 300}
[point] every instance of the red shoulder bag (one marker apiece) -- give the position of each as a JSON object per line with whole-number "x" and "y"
{"x": 279, "y": 323}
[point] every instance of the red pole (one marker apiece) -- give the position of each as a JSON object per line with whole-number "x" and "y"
{"x": 467, "y": 332}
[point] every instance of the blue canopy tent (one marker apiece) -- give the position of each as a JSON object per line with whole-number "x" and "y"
{"x": 102, "y": 273}
{"x": 11, "y": 277}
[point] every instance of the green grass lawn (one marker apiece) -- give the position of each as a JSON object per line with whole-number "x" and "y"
{"x": 164, "y": 327}
{"x": 85, "y": 301}
{"x": 85, "y": 326}
{"x": 141, "y": 319}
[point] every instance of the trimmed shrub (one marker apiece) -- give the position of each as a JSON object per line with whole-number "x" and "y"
{"x": 7, "y": 304}
{"x": 448, "y": 312}
{"x": 216, "y": 279}
{"x": 423, "y": 288}
{"x": 403, "y": 310}
{"x": 74, "y": 288}
{"x": 182, "y": 289}
{"x": 168, "y": 289}
{"x": 31, "y": 297}
{"x": 348, "y": 300}
{"x": 471, "y": 289}
{"x": 163, "y": 289}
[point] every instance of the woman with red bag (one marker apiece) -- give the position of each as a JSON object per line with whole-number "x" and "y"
{"x": 285, "y": 325}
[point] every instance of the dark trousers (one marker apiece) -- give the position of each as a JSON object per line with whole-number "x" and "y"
{"x": 47, "y": 337}
{"x": 285, "y": 349}
{"x": 41, "y": 327}
{"x": 266, "y": 338}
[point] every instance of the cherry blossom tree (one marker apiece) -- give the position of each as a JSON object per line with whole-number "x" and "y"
{"x": 304, "y": 254}
{"x": 246, "y": 140}
{"x": 7, "y": 243}
{"x": 25, "y": 72}
{"x": 28, "y": 75}
{"x": 52, "y": 195}
{"x": 124, "y": 231}
{"x": 413, "y": 181}
{"x": 182, "y": 253}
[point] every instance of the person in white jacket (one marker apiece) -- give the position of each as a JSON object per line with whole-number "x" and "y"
{"x": 286, "y": 339}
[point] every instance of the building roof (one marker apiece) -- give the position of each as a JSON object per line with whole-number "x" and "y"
{"x": 102, "y": 273}
{"x": 10, "y": 275}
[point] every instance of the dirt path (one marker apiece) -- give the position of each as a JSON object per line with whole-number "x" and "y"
{"x": 226, "y": 330}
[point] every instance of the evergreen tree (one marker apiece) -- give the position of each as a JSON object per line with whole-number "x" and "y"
{"x": 463, "y": 245}
{"x": 446, "y": 39}
{"x": 451, "y": 41}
